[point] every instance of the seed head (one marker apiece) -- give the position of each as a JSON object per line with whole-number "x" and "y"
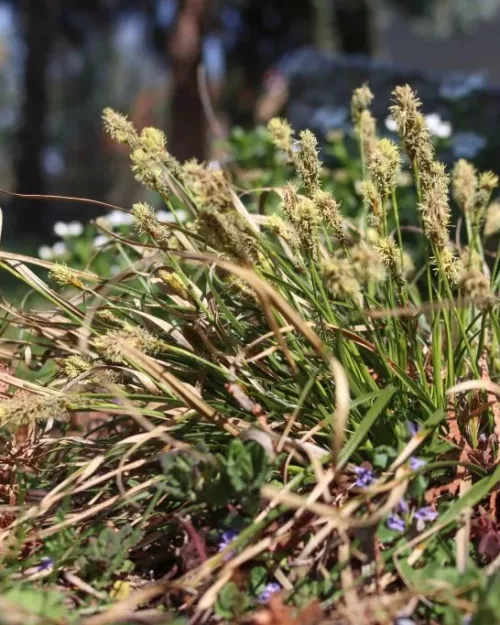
{"x": 64, "y": 276}
{"x": 367, "y": 130}
{"x": 390, "y": 255}
{"x": 492, "y": 222}
{"x": 412, "y": 127}
{"x": 281, "y": 134}
{"x": 75, "y": 365}
{"x": 307, "y": 162}
{"x": 153, "y": 140}
{"x": 207, "y": 186}
{"x": 367, "y": 264}
{"x": 283, "y": 229}
{"x": 329, "y": 210}
{"x": 371, "y": 196}
{"x": 464, "y": 184}
{"x": 452, "y": 266}
{"x": 147, "y": 222}
{"x": 174, "y": 283}
{"x": 434, "y": 207}
{"x": 111, "y": 345}
{"x": 488, "y": 181}
{"x": 227, "y": 233}
{"x": 307, "y": 222}
{"x": 107, "y": 316}
{"x": 340, "y": 278}
{"x": 149, "y": 171}
{"x": 362, "y": 98}
{"x": 24, "y": 408}
{"x": 384, "y": 164}
{"x": 120, "y": 128}
{"x": 474, "y": 285}
{"x": 290, "y": 202}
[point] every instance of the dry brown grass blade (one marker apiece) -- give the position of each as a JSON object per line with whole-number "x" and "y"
{"x": 266, "y": 292}
{"x": 24, "y": 385}
{"x": 298, "y": 502}
{"x": 181, "y": 390}
{"x": 472, "y": 385}
{"x": 123, "y": 610}
{"x": 39, "y": 285}
{"x": 77, "y": 517}
{"x": 462, "y": 539}
{"x": 491, "y": 396}
{"x": 264, "y": 300}
{"x": 46, "y": 264}
{"x": 210, "y": 596}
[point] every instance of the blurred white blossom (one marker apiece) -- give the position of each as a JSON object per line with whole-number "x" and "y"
{"x": 100, "y": 240}
{"x": 45, "y": 252}
{"x": 119, "y": 218}
{"x": 59, "y": 248}
{"x": 71, "y": 229}
{"x": 168, "y": 217}
{"x": 61, "y": 229}
{"x": 437, "y": 126}
{"x": 391, "y": 124}
{"x": 75, "y": 229}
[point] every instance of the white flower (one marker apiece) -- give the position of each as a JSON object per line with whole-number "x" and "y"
{"x": 165, "y": 216}
{"x": 438, "y": 127}
{"x": 168, "y": 217}
{"x": 75, "y": 229}
{"x": 100, "y": 240}
{"x": 61, "y": 229}
{"x": 119, "y": 218}
{"x": 59, "y": 248}
{"x": 391, "y": 124}
{"x": 45, "y": 252}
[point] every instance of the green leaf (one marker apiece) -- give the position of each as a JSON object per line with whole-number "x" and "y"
{"x": 46, "y": 604}
{"x": 247, "y": 465}
{"x": 364, "y": 427}
{"x": 231, "y": 602}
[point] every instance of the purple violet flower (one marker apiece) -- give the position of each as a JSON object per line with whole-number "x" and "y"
{"x": 425, "y": 515}
{"x": 45, "y": 564}
{"x": 396, "y": 523}
{"x": 271, "y": 589}
{"x": 227, "y": 538}
{"x": 403, "y": 507}
{"x": 416, "y": 463}
{"x": 364, "y": 478}
{"x": 413, "y": 427}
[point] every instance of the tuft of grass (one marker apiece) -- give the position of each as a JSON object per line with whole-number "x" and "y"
{"x": 261, "y": 410}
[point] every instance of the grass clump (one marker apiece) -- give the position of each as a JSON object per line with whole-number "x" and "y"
{"x": 266, "y": 412}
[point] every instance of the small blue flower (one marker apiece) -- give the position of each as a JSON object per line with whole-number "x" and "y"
{"x": 396, "y": 523}
{"x": 227, "y": 538}
{"x": 403, "y": 507}
{"x": 271, "y": 589}
{"x": 416, "y": 463}
{"x": 364, "y": 478}
{"x": 425, "y": 515}
{"x": 413, "y": 428}
{"x": 46, "y": 564}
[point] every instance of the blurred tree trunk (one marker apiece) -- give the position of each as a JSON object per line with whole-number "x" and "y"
{"x": 38, "y": 19}
{"x": 188, "y": 129}
{"x": 354, "y": 26}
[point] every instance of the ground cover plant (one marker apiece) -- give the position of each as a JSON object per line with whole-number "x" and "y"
{"x": 260, "y": 410}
